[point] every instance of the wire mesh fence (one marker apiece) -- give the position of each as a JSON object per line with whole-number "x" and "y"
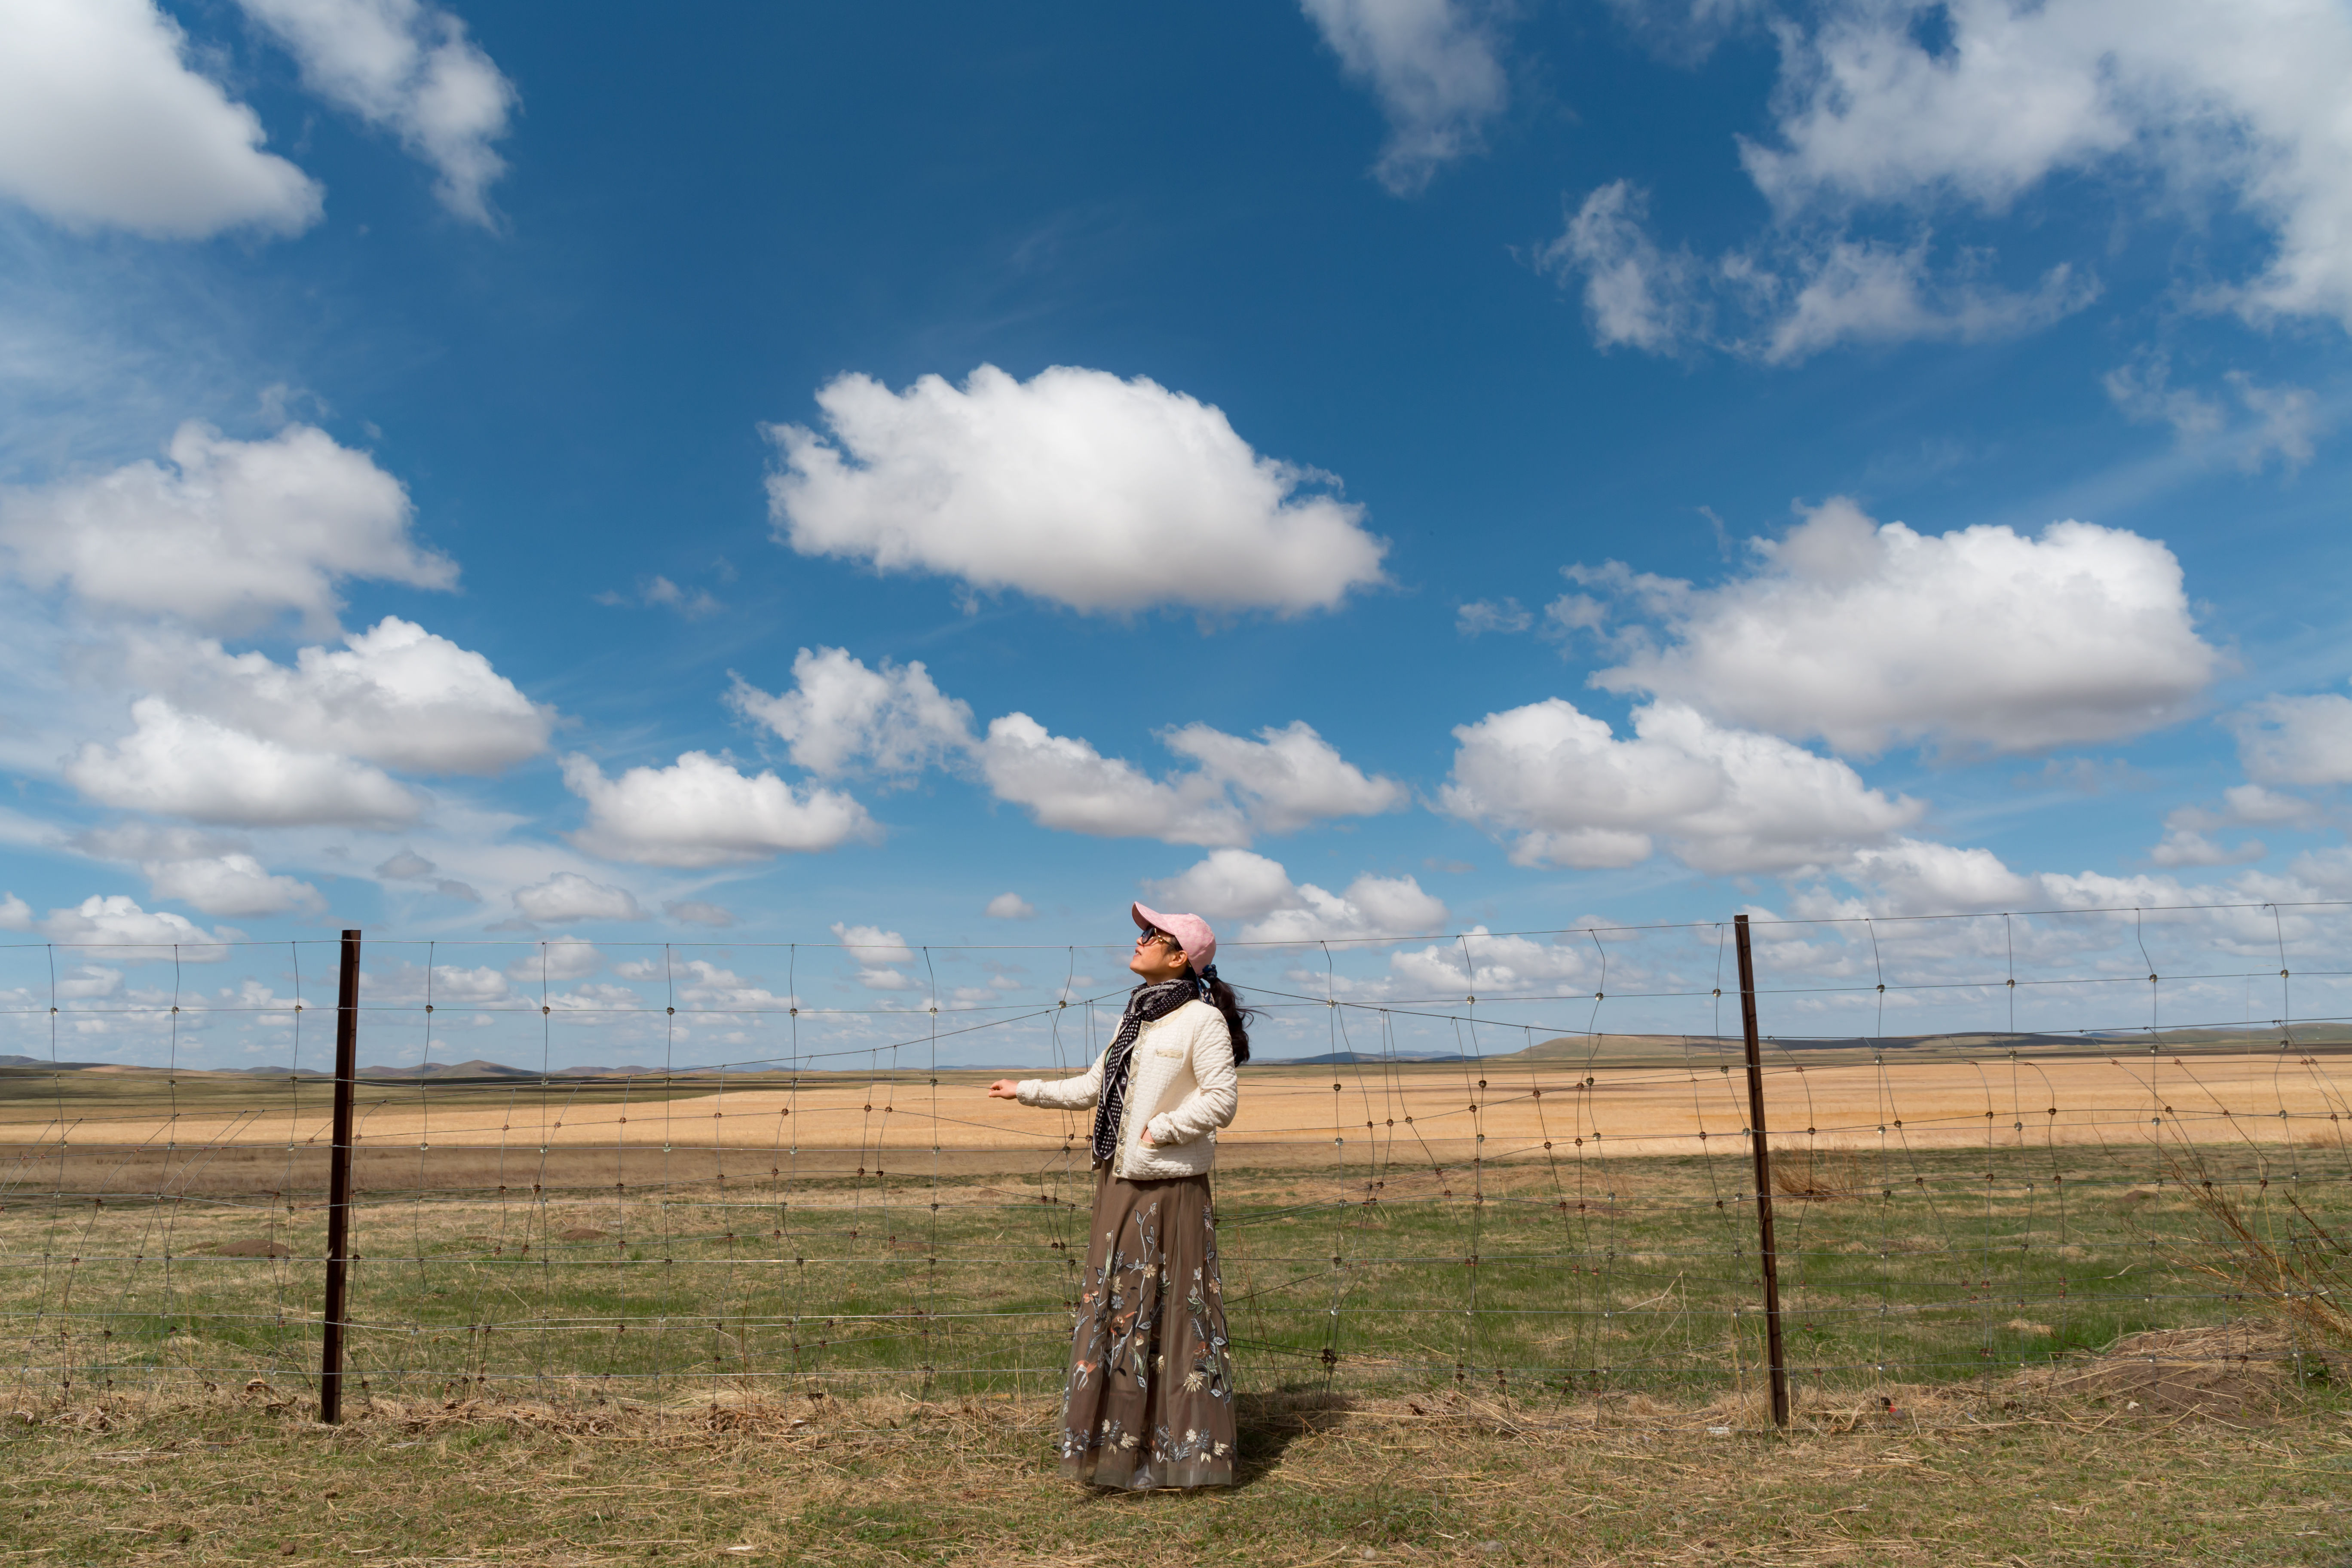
{"x": 1515, "y": 1162}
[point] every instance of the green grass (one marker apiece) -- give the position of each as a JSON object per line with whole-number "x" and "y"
{"x": 1528, "y": 1280}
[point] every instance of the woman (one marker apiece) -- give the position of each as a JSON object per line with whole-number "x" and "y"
{"x": 1150, "y": 1400}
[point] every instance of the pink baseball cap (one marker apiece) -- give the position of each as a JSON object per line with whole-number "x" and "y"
{"x": 1199, "y": 942}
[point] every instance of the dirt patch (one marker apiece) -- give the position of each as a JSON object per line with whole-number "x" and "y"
{"x": 253, "y": 1250}
{"x": 582, "y": 1233}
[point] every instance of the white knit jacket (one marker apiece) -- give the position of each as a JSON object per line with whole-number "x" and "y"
{"x": 1181, "y": 1085}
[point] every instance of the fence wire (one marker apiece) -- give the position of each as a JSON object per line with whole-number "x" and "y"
{"x": 1513, "y": 1162}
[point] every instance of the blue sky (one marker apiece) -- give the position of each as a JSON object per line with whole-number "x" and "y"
{"x": 1364, "y": 470}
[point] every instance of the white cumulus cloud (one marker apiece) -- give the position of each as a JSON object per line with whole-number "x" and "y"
{"x": 229, "y": 536}
{"x": 1433, "y": 65}
{"x": 1226, "y": 884}
{"x": 102, "y": 123}
{"x": 1235, "y": 884}
{"x": 874, "y": 950}
{"x": 1871, "y": 636}
{"x": 1497, "y": 965}
{"x": 1568, "y": 792}
{"x": 407, "y": 68}
{"x": 182, "y": 765}
{"x": 1279, "y": 782}
{"x": 116, "y": 919}
{"x": 569, "y": 896}
{"x": 1010, "y": 907}
{"x": 1075, "y": 486}
{"x": 395, "y": 694}
{"x": 841, "y": 717}
{"x": 703, "y": 811}
{"x": 564, "y": 958}
{"x": 1286, "y": 778}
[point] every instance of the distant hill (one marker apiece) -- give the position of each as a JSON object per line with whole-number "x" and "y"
{"x": 1579, "y": 1047}
{"x": 449, "y": 1069}
{"x": 1358, "y": 1058}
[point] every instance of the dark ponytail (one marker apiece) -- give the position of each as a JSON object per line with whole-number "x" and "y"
{"x": 1220, "y": 995}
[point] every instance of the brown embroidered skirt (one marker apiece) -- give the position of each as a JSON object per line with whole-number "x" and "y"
{"x": 1149, "y": 1401}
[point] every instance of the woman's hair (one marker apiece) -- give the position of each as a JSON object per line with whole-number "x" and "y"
{"x": 1221, "y": 996}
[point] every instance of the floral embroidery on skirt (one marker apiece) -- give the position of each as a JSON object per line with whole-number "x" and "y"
{"x": 1150, "y": 1400}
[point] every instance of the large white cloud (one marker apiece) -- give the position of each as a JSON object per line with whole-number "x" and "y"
{"x": 183, "y": 764}
{"x": 841, "y": 717}
{"x": 1871, "y": 636}
{"x": 703, "y": 811}
{"x": 407, "y": 68}
{"x": 230, "y": 536}
{"x": 1277, "y": 782}
{"x": 1237, "y": 884}
{"x": 1569, "y": 793}
{"x": 395, "y": 694}
{"x": 1433, "y": 65}
{"x": 103, "y": 123}
{"x": 1075, "y": 486}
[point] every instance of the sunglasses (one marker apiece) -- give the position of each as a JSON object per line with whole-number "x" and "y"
{"x": 1147, "y": 938}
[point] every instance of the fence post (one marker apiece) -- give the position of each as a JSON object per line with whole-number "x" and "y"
{"x": 339, "y": 1182}
{"x": 1763, "y": 1173}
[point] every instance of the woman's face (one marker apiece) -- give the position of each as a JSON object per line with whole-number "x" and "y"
{"x": 1157, "y": 957}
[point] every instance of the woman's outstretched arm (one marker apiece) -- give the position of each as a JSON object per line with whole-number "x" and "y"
{"x": 1054, "y": 1094}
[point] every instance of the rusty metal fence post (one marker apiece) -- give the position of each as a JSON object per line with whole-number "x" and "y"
{"x": 339, "y": 1182}
{"x": 1763, "y": 1154}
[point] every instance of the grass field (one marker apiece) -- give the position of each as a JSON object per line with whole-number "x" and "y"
{"x": 2018, "y": 1473}
{"x": 1514, "y": 1229}
{"x": 695, "y": 1337}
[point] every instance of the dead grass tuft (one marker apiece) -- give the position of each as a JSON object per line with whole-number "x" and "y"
{"x": 2278, "y": 1254}
{"x": 1819, "y": 1177}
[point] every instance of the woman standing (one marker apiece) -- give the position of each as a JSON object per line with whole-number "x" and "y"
{"x": 1150, "y": 1400}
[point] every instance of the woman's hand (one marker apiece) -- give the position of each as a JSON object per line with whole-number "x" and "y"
{"x": 1147, "y": 1138}
{"x": 1004, "y": 1088}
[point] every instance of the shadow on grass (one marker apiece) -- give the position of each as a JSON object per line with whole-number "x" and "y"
{"x": 1267, "y": 1425}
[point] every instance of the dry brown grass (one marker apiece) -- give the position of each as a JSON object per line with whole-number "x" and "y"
{"x": 2276, "y": 1252}
{"x": 199, "y": 1128}
{"x": 1819, "y": 1175}
{"x": 2017, "y": 1472}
